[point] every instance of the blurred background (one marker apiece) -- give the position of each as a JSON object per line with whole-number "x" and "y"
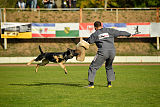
{"x": 130, "y": 12}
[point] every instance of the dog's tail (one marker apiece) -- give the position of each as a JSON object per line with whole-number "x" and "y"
{"x": 40, "y": 49}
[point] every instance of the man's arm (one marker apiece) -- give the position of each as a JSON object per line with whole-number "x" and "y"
{"x": 91, "y": 39}
{"x": 117, "y": 33}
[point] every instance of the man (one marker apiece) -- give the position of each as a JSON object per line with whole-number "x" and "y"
{"x": 74, "y": 3}
{"x": 29, "y": 3}
{"x": 69, "y": 3}
{"x": 21, "y": 4}
{"x": 64, "y": 3}
{"x": 34, "y": 4}
{"x": 48, "y": 3}
{"x": 104, "y": 39}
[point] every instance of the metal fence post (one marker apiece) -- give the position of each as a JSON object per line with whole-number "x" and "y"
{"x": 39, "y": 15}
{"x": 5, "y": 39}
{"x": 80, "y": 17}
{"x": 157, "y": 22}
{"x": 80, "y": 20}
{"x": 157, "y": 15}
{"x": 157, "y": 42}
{"x": 116, "y": 15}
{"x": 0, "y": 15}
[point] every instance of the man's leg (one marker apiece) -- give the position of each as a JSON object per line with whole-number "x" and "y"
{"x": 109, "y": 71}
{"x": 95, "y": 65}
{"x": 35, "y": 4}
{"x": 32, "y": 4}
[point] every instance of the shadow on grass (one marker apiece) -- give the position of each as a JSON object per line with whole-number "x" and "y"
{"x": 64, "y": 84}
{"x": 42, "y": 84}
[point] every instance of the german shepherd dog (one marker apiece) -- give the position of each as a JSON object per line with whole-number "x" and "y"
{"x": 57, "y": 57}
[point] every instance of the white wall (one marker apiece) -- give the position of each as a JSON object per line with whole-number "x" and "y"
{"x": 88, "y": 59}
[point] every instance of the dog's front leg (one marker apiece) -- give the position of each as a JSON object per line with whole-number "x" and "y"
{"x": 62, "y": 66}
{"x": 29, "y": 63}
{"x": 37, "y": 67}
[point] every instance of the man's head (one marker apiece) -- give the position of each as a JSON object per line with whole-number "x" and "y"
{"x": 97, "y": 25}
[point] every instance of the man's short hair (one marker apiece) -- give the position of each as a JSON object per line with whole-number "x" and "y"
{"x": 97, "y": 24}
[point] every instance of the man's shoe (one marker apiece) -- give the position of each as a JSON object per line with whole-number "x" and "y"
{"x": 89, "y": 86}
{"x": 109, "y": 86}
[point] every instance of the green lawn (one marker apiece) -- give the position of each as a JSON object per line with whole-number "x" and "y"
{"x": 135, "y": 86}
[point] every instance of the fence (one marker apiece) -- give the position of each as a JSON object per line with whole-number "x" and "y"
{"x": 85, "y": 15}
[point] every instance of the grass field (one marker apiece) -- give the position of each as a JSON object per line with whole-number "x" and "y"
{"x": 135, "y": 86}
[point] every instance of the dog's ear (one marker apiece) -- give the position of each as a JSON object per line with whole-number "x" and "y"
{"x": 68, "y": 49}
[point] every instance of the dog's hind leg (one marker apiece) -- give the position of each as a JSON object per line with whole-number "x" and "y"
{"x": 62, "y": 66}
{"x": 56, "y": 57}
{"x": 44, "y": 62}
{"x": 29, "y": 63}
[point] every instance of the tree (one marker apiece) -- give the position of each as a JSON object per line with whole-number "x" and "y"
{"x": 146, "y": 3}
{"x": 118, "y": 3}
{"x": 90, "y": 3}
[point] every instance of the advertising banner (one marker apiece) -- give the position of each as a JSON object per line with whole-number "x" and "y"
{"x": 86, "y": 29}
{"x": 155, "y": 30}
{"x": 67, "y": 29}
{"x": 143, "y": 29}
{"x": 16, "y": 30}
{"x": 118, "y": 26}
{"x": 72, "y": 30}
{"x": 43, "y": 30}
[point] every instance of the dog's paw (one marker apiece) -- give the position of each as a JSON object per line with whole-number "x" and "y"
{"x": 65, "y": 72}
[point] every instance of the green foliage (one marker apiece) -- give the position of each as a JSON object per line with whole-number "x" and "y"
{"x": 90, "y": 3}
{"x": 7, "y": 3}
{"x": 12, "y": 3}
{"x": 118, "y": 3}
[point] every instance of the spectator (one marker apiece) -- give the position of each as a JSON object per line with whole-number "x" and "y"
{"x": 46, "y": 3}
{"x": 34, "y": 4}
{"x": 49, "y": 3}
{"x": 74, "y": 3}
{"x": 64, "y": 3}
{"x": 21, "y": 4}
{"x": 29, "y": 3}
{"x": 69, "y": 3}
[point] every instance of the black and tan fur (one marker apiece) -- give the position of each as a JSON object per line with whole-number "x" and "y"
{"x": 57, "y": 57}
